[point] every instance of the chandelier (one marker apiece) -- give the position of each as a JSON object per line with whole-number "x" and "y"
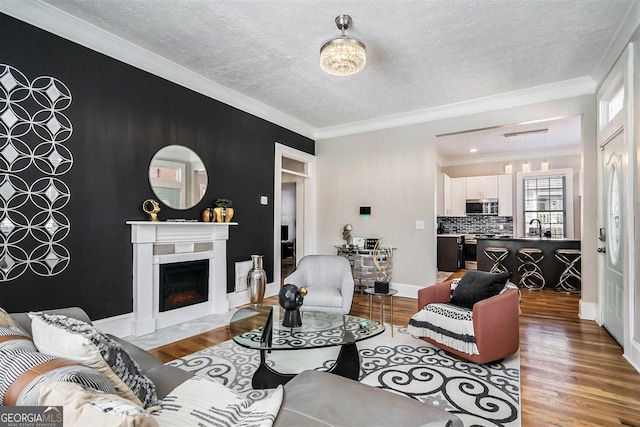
{"x": 343, "y": 55}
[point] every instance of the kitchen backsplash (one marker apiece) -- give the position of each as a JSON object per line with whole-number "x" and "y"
{"x": 477, "y": 224}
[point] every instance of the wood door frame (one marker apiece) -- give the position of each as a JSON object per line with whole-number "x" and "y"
{"x": 306, "y": 222}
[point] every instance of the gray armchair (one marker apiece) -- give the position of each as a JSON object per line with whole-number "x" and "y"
{"x": 328, "y": 280}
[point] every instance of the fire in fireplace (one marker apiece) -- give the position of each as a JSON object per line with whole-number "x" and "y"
{"x": 183, "y": 284}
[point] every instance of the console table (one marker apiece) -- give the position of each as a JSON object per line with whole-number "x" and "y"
{"x": 362, "y": 266}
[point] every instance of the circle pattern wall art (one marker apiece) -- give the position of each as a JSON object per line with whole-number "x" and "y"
{"x": 33, "y": 162}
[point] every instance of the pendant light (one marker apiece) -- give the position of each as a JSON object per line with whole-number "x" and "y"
{"x": 544, "y": 166}
{"x": 526, "y": 166}
{"x": 343, "y": 55}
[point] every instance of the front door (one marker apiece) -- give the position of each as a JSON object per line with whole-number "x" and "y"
{"x": 614, "y": 112}
{"x": 613, "y": 238}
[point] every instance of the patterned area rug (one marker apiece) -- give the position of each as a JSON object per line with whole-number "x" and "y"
{"x": 480, "y": 395}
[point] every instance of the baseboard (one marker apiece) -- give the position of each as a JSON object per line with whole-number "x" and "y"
{"x": 119, "y": 326}
{"x": 407, "y": 291}
{"x": 237, "y": 299}
{"x": 634, "y": 355}
{"x": 588, "y": 310}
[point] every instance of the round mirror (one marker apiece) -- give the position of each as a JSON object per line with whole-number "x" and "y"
{"x": 178, "y": 177}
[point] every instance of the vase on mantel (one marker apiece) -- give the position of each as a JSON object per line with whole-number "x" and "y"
{"x": 256, "y": 280}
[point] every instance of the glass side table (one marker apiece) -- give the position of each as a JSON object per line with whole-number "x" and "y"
{"x": 371, "y": 292}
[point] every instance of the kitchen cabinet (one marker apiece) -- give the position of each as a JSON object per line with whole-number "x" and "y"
{"x": 451, "y": 196}
{"x": 505, "y": 195}
{"x": 482, "y": 187}
{"x": 458, "y": 199}
{"x": 444, "y": 195}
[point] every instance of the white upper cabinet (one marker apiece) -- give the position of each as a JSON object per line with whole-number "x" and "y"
{"x": 458, "y": 200}
{"x": 451, "y": 196}
{"x": 505, "y": 195}
{"x": 482, "y": 187}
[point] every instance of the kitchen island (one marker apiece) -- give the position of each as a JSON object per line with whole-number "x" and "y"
{"x": 551, "y": 266}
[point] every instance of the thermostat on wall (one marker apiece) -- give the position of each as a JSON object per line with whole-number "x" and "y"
{"x": 365, "y": 210}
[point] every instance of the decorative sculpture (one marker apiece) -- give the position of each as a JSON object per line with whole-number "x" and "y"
{"x": 346, "y": 234}
{"x": 382, "y": 251}
{"x": 290, "y": 298}
{"x": 151, "y": 207}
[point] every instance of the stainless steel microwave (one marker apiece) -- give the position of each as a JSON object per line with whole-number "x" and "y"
{"x": 482, "y": 207}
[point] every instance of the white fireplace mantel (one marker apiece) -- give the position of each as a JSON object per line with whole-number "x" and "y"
{"x": 188, "y": 241}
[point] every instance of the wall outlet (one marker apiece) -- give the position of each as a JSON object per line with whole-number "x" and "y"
{"x": 419, "y": 225}
{"x": 501, "y": 226}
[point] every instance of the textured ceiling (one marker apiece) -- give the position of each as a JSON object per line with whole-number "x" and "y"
{"x": 420, "y": 54}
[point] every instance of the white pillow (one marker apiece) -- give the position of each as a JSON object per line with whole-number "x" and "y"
{"x": 80, "y": 342}
{"x": 200, "y": 398}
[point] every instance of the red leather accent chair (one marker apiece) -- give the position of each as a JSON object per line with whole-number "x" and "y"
{"x": 496, "y": 323}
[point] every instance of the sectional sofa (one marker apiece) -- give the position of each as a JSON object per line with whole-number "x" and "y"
{"x": 312, "y": 398}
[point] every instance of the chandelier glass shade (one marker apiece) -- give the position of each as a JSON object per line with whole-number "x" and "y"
{"x": 343, "y": 55}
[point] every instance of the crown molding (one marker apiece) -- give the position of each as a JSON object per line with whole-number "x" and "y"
{"x": 617, "y": 43}
{"x": 559, "y": 90}
{"x": 53, "y": 20}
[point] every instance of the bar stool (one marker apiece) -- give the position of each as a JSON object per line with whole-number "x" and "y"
{"x": 532, "y": 277}
{"x": 497, "y": 255}
{"x": 570, "y": 257}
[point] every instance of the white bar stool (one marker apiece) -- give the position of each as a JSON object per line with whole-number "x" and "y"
{"x": 531, "y": 278}
{"x": 497, "y": 255}
{"x": 570, "y": 257}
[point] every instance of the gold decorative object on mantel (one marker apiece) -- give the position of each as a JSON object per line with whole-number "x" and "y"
{"x": 223, "y": 210}
{"x": 208, "y": 215}
{"x": 382, "y": 251}
{"x": 151, "y": 207}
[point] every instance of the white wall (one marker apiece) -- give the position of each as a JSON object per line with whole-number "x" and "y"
{"x": 394, "y": 172}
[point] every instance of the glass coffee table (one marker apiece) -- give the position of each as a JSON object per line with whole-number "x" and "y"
{"x": 260, "y": 327}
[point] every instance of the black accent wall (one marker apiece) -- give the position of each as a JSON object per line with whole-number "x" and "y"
{"x": 121, "y": 116}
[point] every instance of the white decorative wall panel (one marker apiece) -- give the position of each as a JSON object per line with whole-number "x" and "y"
{"x": 33, "y": 161}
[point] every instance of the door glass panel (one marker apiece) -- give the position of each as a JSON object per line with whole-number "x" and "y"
{"x": 614, "y": 218}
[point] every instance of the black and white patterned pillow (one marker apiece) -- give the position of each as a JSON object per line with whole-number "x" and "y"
{"x": 200, "y": 401}
{"x": 76, "y": 340}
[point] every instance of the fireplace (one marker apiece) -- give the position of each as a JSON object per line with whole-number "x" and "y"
{"x": 158, "y": 243}
{"x": 183, "y": 284}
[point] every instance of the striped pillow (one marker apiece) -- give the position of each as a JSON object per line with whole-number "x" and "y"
{"x": 22, "y": 373}
{"x": 14, "y": 340}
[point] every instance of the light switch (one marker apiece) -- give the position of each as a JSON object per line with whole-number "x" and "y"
{"x": 264, "y": 200}
{"x": 419, "y": 225}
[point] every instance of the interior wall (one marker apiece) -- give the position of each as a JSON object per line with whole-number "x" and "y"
{"x": 121, "y": 117}
{"x": 394, "y": 172}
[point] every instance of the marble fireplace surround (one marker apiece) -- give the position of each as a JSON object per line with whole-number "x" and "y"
{"x": 156, "y": 243}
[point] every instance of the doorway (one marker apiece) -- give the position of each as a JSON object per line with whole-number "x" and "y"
{"x": 294, "y": 205}
{"x": 288, "y": 224}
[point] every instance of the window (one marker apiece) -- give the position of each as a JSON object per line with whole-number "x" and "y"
{"x": 545, "y": 200}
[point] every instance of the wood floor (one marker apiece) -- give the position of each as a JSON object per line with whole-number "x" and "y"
{"x": 572, "y": 371}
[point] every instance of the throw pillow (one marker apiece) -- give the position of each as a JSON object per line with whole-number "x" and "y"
{"x": 14, "y": 340}
{"x": 76, "y": 340}
{"x": 477, "y": 285}
{"x": 199, "y": 399}
{"x": 84, "y": 406}
{"x": 22, "y": 374}
{"x": 6, "y": 321}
